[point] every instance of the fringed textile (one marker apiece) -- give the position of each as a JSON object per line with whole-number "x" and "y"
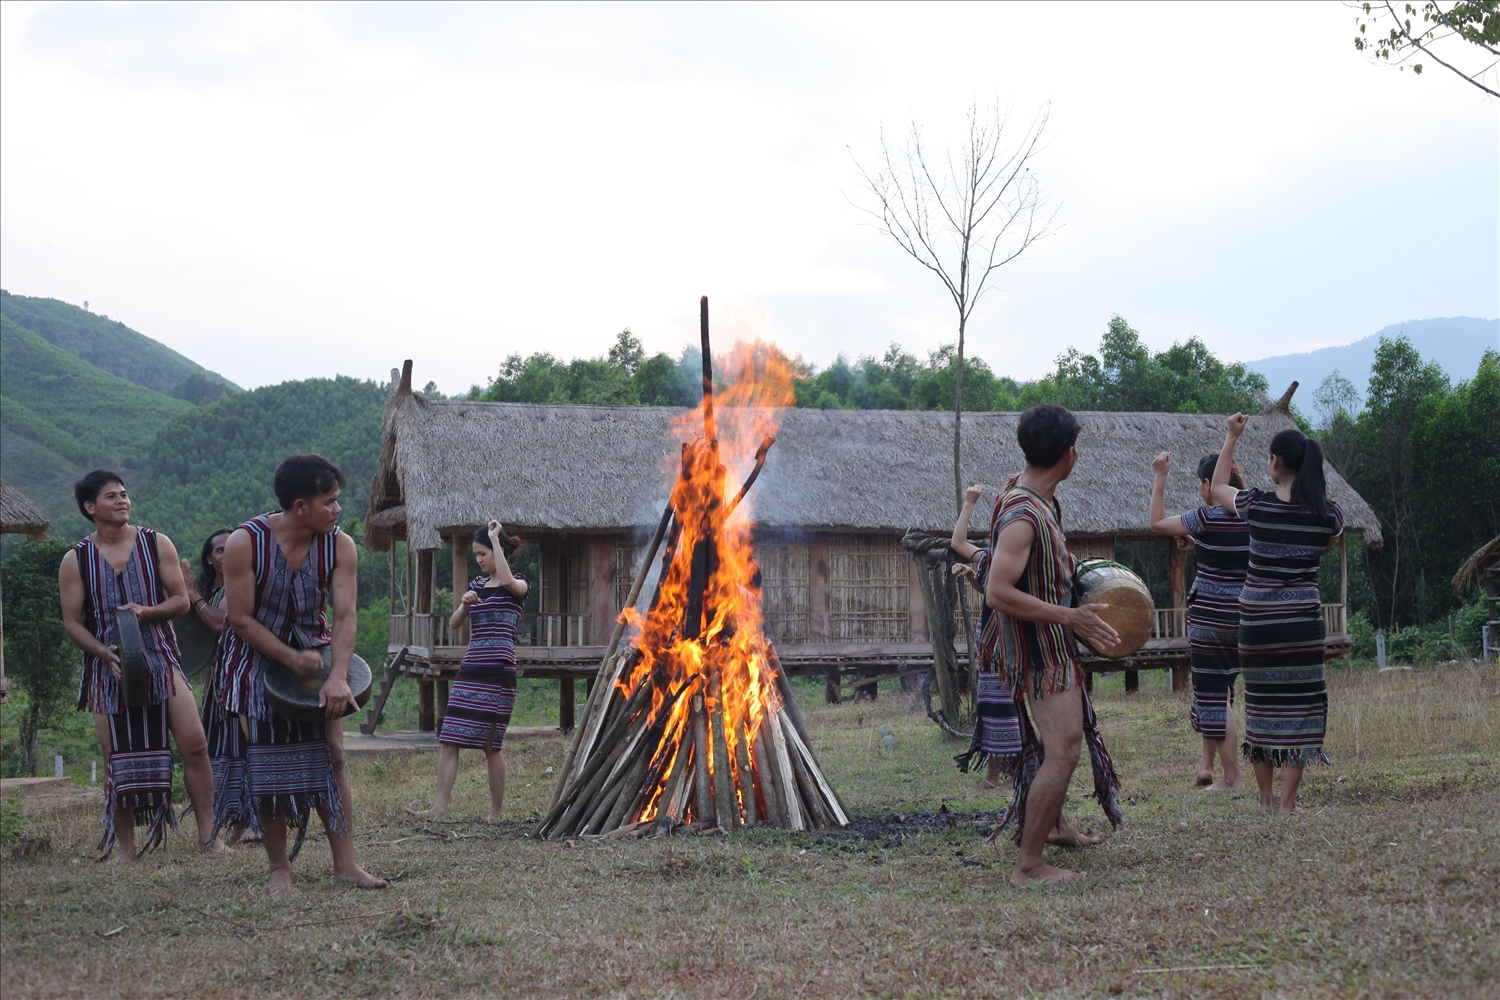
{"x": 997, "y": 727}
{"x": 479, "y": 707}
{"x": 104, "y": 590}
{"x": 138, "y": 776}
{"x": 1029, "y": 761}
{"x": 291, "y": 775}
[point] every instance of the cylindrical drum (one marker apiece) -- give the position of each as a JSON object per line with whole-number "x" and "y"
{"x": 135, "y": 674}
{"x": 1131, "y": 612}
{"x": 297, "y": 697}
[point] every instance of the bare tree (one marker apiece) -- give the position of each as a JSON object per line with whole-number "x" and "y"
{"x": 962, "y": 218}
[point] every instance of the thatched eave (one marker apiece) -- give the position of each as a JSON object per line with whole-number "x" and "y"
{"x": 1473, "y": 570}
{"x": 19, "y": 516}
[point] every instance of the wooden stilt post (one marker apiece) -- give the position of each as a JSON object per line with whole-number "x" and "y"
{"x": 565, "y": 717}
{"x": 1132, "y": 681}
{"x": 426, "y": 711}
{"x": 831, "y": 676}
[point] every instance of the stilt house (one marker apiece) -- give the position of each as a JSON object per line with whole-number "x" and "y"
{"x": 586, "y": 484}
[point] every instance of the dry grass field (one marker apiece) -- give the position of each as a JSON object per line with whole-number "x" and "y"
{"x": 1387, "y": 885}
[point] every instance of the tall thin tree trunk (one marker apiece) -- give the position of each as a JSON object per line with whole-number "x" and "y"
{"x": 958, "y": 423}
{"x": 28, "y": 738}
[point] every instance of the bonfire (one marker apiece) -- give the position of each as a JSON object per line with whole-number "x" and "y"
{"x": 693, "y": 725}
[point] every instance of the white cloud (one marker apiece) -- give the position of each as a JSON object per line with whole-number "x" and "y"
{"x": 280, "y": 190}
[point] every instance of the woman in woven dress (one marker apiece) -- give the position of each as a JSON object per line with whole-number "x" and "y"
{"x": 484, "y": 693}
{"x": 1281, "y": 616}
{"x": 1222, "y": 541}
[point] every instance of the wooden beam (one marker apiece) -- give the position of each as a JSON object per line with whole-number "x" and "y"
{"x": 460, "y": 542}
{"x": 819, "y": 609}
{"x": 442, "y": 701}
{"x": 565, "y": 707}
{"x": 426, "y": 710}
{"x": 1344, "y": 574}
{"x": 601, "y": 587}
{"x": 1177, "y": 562}
{"x": 919, "y": 630}
{"x": 426, "y": 580}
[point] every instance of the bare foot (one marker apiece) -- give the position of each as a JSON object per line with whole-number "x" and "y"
{"x": 1065, "y": 835}
{"x": 1269, "y": 805}
{"x": 361, "y": 878}
{"x": 281, "y": 880}
{"x": 990, "y": 784}
{"x": 1041, "y": 874}
{"x": 1205, "y": 776}
{"x": 494, "y": 817}
{"x": 428, "y": 813}
{"x": 1293, "y": 811}
{"x": 121, "y": 858}
{"x": 1225, "y": 785}
{"x": 216, "y": 846}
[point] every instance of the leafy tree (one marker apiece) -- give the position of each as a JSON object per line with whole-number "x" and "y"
{"x": 1337, "y": 402}
{"x": 1125, "y": 375}
{"x": 624, "y": 377}
{"x": 1475, "y": 22}
{"x": 38, "y": 653}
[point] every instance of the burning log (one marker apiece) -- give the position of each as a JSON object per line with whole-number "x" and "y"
{"x": 693, "y": 724}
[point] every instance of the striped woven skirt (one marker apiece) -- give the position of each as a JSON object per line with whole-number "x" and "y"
{"x": 479, "y": 707}
{"x": 139, "y": 775}
{"x": 1281, "y": 657}
{"x": 291, "y": 774}
{"x": 997, "y": 727}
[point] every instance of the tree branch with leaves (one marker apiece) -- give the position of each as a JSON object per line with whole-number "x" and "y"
{"x": 1421, "y": 29}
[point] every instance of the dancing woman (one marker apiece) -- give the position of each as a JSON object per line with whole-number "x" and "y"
{"x": 1281, "y": 616}
{"x": 1213, "y": 619}
{"x": 484, "y": 693}
{"x": 226, "y": 733}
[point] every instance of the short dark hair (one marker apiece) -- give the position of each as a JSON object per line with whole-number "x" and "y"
{"x": 87, "y": 489}
{"x": 306, "y": 477}
{"x": 507, "y": 542}
{"x": 1045, "y": 433}
{"x": 1208, "y": 463}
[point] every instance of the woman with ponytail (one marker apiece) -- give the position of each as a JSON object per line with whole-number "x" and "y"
{"x": 1213, "y": 616}
{"x": 484, "y": 693}
{"x": 1281, "y": 615}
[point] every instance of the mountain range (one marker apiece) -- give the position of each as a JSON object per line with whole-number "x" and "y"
{"x": 1456, "y": 343}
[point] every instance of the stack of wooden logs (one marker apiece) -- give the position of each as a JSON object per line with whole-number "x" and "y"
{"x": 626, "y": 746}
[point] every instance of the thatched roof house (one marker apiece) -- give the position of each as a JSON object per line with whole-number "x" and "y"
{"x": 1485, "y": 558}
{"x": 18, "y": 515}
{"x": 839, "y": 489}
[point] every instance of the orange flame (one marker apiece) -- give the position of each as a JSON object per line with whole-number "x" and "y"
{"x": 728, "y": 662}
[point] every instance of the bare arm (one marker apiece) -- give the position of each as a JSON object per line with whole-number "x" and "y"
{"x": 170, "y": 569}
{"x": 960, "y": 543}
{"x": 70, "y": 590}
{"x": 1008, "y": 562}
{"x": 1219, "y": 487}
{"x": 335, "y": 695}
{"x": 1160, "y": 522}
{"x": 503, "y": 577}
{"x": 211, "y": 616}
{"x": 461, "y": 613}
{"x": 239, "y": 598}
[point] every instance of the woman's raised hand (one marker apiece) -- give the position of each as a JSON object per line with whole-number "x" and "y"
{"x": 1236, "y": 424}
{"x": 469, "y": 598}
{"x": 1161, "y": 463}
{"x": 494, "y": 528}
{"x": 972, "y": 494}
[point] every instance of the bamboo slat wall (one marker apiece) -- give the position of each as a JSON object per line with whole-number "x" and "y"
{"x": 783, "y": 588}
{"x": 869, "y": 589}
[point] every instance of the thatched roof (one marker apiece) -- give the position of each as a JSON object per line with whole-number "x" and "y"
{"x": 1472, "y": 570}
{"x": 455, "y": 464}
{"x": 18, "y": 515}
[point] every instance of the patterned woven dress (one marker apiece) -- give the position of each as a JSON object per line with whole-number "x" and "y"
{"x": 1281, "y": 629}
{"x": 1045, "y": 654}
{"x": 138, "y": 775}
{"x": 997, "y": 730}
{"x": 226, "y": 745}
{"x": 484, "y": 693}
{"x": 287, "y": 764}
{"x": 1213, "y": 620}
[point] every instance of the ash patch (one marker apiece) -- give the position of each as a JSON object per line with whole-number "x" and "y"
{"x": 893, "y": 829}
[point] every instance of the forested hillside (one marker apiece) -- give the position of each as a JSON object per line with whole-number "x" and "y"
{"x": 114, "y": 347}
{"x": 213, "y": 466}
{"x": 60, "y": 416}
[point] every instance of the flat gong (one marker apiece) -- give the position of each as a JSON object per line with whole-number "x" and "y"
{"x": 135, "y": 675}
{"x": 297, "y": 697}
{"x": 197, "y": 644}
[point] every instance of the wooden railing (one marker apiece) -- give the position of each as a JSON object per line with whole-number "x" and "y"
{"x": 1171, "y": 623}
{"x": 427, "y": 631}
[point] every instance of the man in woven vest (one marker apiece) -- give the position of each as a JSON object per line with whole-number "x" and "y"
{"x": 118, "y": 567}
{"x": 1032, "y": 640}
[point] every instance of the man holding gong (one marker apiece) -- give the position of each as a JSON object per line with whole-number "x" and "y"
{"x": 281, "y": 570}
{"x": 1028, "y": 631}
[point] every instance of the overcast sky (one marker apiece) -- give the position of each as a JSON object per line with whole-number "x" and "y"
{"x": 281, "y": 191}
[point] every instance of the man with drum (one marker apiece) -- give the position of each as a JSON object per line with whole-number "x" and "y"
{"x": 124, "y": 568}
{"x": 281, "y": 570}
{"x": 1029, "y": 633}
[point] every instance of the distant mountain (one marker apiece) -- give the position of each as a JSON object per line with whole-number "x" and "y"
{"x": 61, "y": 416}
{"x": 1456, "y": 343}
{"x": 115, "y": 348}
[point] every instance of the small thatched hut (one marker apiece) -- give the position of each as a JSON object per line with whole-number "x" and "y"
{"x": 840, "y": 488}
{"x": 18, "y": 515}
{"x": 1483, "y": 568}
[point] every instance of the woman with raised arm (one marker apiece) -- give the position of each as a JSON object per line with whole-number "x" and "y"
{"x": 1281, "y": 616}
{"x": 484, "y": 693}
{"x": 1222, "y": 541}
{"x": 226, "y": 737}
